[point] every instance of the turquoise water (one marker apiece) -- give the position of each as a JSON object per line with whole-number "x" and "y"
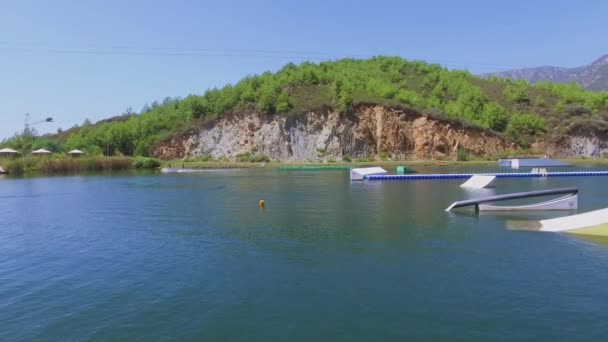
{"x": 191, "y": 257}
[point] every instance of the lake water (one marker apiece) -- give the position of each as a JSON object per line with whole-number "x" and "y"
{"x": 191, "y": 257}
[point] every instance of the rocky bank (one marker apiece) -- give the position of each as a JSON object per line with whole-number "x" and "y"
{"x": 578, "y": 146}
{"x": 368, "y": 130}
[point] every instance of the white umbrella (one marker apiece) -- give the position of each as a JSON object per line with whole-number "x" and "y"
{"x": 8, "y": 150}
{"x": 41, "y": 151}
{"x": 75, "y": 152}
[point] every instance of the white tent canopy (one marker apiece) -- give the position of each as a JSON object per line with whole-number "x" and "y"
{"x": 8, "y": 150}
{"x": 75, "y": 152}
{"x": 41, "y": 151}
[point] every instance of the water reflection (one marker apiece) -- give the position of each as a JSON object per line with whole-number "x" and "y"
{"x": 383, "y": 255}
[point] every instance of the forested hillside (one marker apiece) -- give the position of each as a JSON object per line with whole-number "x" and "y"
{"x": 515, "y": 109}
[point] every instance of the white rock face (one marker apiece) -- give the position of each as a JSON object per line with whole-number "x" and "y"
{"x": 326, "y": 135}
{"x": 586, "y": 146}
{"x": 279, "y": 138}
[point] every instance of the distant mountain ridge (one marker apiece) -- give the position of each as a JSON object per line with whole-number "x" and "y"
{"x": 593, "y": 76}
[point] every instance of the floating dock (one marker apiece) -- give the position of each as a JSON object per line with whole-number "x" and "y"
{"x": 516, "y": 163}
{"x": 313, "y": 167}
{"x": 497, "y": 175}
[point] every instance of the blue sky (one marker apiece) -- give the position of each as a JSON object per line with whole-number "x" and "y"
{"x": 93, "y": 59}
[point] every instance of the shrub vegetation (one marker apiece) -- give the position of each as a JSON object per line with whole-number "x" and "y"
{"x": 517, "y": 109}
{"x": 50, "y": 165}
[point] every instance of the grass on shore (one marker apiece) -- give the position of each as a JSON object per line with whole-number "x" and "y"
{"x": 52, "y": 165}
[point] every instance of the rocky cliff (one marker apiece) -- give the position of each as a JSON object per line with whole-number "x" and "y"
{"x": 368, "y": 130}
{"x": 577, "y": 146}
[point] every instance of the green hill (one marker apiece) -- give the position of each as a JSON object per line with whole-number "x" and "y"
{"x": 515, "y": 109}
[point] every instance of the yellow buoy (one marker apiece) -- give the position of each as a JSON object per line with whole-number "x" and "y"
{"x": 262, "y": 203}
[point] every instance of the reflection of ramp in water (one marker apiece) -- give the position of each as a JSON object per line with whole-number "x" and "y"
{"x": 521, "y": 217}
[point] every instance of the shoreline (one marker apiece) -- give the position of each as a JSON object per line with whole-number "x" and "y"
{"x": 392, "y": 163}
{"x": 52, "y": 165}
{"x": 207, "y": 165}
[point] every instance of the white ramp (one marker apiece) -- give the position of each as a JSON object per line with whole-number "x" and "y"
{"x": 360, "y": 173}
{"x": 569, "y": 202}
{"x": 575, "y": 222}
{"x": 479, "y": 182}
{"x": 176, "y": 170}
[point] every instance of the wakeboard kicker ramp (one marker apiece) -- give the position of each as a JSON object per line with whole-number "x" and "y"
{"x": 178, "y": 170}
{"x": 569, "y": 201}
{"x": 479, "y": 182}
{"x": 361, "y": 173}
{"x": 589, "y": 223}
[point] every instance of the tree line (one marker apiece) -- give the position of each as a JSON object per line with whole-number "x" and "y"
{"x": 516, "y": 109}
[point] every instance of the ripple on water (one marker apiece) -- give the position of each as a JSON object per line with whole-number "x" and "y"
{"x": 193, "y": 257}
